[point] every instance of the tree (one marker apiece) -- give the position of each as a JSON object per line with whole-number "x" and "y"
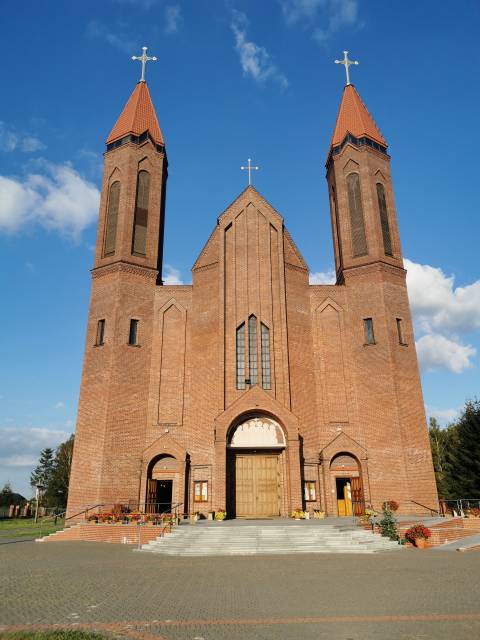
{"x": 6, "y": 495}
{"x": 463, "y": 457}
{"x": 440, "y": 442}
{"x": 42, "y": 473}
{"x": 388, "y": 524}
{"x": 57, "y": 490}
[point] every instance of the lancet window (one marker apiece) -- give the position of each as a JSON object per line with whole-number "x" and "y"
{"x": 240, "y": 351}
{"x": 265, "y": 337}
{"x": 252, "y": 349}
{"x": 357, "y": 222}
{"x": 112, "y": 218}
{"x": 246, "y": 337}
{"x": 139, "y": 244}
{"x": 382, "y": 206}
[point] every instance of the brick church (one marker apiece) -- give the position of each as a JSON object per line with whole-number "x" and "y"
{"x": 250, "y": 390}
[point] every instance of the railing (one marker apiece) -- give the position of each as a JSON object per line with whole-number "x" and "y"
{"x": 130, "y": 510}
{"x": 432, "y": 510}
{"x": 460, "y": 508}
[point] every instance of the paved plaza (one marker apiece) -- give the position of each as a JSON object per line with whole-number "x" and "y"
{"x": 419, "y": 595}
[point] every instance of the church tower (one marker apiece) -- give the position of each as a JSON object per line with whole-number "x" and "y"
{"x": 127, "y": 271}
{"x": 369, "y": 266}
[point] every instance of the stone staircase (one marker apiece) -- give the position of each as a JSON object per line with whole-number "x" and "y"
{"x": 235, "y": 538}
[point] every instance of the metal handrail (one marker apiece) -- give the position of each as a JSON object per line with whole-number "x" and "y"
{"x": 425, "y": 507}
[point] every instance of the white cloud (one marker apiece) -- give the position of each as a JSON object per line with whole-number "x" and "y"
{"x": 334, "y": 14}
{"x": 172, "y": 275}
{"x": 437, "y": 303}
{"x": 441, "y": 314}
{"x": 255, "y": 60}
{"x": 297, "y": 10}
{"x": 443, "y": 416}
{"x": 96, "y": 30}
{"x": 60, "y": 405}
{"x": 173, "y": 18}
{"x": 13, "y": 141}
{"x": 58, "y": 199}
{"x": 323, "y": 277}
{"x": 20, "y": 447}
{"x": 438, "y": 352}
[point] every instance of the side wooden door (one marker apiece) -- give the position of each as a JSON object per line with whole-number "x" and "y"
{"x": 357, "y": 496}
{"x": 151, "y": 496}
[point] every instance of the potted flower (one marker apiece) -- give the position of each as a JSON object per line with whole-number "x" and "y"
{"x": 390, "y": 504}
{"x": 220, "y": 515}
{"x": 318, "y": 514}
{"x": 298, "y": 514}
{"x": 418, "y": 535}
{"x": 93, "y": 518}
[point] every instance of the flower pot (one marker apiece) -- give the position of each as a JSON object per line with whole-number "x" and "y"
{"x": 420, "y": 543}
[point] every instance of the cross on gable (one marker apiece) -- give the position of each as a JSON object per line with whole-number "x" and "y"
{"x": 249, "y": 168}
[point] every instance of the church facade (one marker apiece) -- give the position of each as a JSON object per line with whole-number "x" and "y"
{"x": 250, "y": 390}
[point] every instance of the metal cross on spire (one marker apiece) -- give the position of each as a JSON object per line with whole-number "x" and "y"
{"x": 346, "y": 62}
{"x": 144, "y": 59}
{"x": 249, "y": 168}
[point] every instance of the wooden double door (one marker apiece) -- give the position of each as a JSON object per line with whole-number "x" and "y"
{"x": 257, "y": 485}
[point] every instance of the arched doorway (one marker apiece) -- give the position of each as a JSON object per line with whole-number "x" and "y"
{"x": 347, "y": 482}
{"x": 255, "y": 457}
{"x": 162, "y": 484}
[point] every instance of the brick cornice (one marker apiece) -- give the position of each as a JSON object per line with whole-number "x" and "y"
{"x": 374, "y": 266}
{"x": 295, "y": 267}
{"x": 125, "y": 267}
{"x": 206, "y": 267}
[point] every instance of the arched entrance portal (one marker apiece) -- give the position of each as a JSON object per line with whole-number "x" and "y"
{"x": 162, "y": 484}
{"x": 346, "y": 476}
{"x": 256, "y": 450}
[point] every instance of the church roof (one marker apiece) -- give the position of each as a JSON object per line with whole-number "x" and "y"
{"x": 353, "y": 118}
{"x": 137, "y": 116}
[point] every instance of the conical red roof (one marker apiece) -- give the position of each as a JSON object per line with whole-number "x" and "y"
{"x": 137, "y": 117}
{"x": 353, "y": 117}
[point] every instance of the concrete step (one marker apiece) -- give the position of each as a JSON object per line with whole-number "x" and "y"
{"x": 267, "y": 539}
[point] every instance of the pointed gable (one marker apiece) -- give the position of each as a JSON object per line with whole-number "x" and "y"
{"x": 137, "y": 117}
{"x": 353, "y": 117}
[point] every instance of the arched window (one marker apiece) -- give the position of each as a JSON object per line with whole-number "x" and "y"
{"x": 357, "y": 223}
{"x": 265, "y": 337}
{"x": 240, "y": 352}
{"x": 336, "y": 222}
{"x": 252, "y": 350}
{"x": 112, "y": 217}
{"x": 139, "y": 244}
{"x": 382, "y": 206}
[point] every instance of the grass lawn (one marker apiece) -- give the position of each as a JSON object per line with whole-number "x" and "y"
{"x": 26, "y": 527}
{"x": 52, "y": 635}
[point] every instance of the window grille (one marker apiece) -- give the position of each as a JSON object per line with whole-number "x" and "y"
{"x": 240, "y": 351}
{"x": 252, "y": 350}
{"x": 112, "y": 218}
{"x": 265, "y": 337}
{"x": 382, "y": 206}
{"x": 139, "y": 244}
{"x": 357, "y": 222}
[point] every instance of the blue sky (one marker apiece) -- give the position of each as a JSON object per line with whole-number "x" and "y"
{"x": 234, "y": 79}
